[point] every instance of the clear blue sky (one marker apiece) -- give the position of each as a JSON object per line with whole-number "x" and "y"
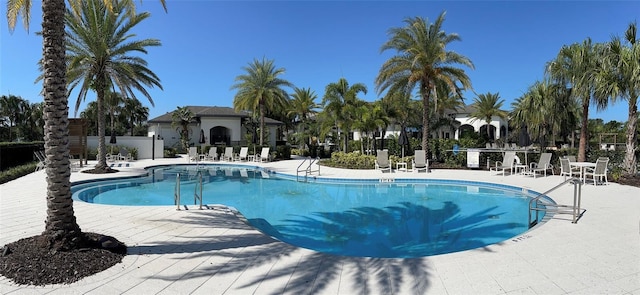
{"x": 205, "y": 44}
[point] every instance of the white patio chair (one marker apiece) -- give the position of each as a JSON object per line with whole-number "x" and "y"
{"x": 242, "y": 156}
{"x": 228, "y": 154}
{"x": 193, "y": 154}
{"x": 382, "y": 161}
{"x": 599, "y": 172}
{"x": 264, "y": 154}
{"x": 507, "y": 163}
{"x": 420, "y": 162}
{"x": 210, "y": 156}
{"x": 566, "y": 170}
{"x": 542, "y": 165}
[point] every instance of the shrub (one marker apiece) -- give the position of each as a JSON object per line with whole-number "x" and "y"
{"x": 17, "y": 172}
{"x": 283, "y": 152}
{"x": 170, "y": 152}
{"x": 350, "y": 161}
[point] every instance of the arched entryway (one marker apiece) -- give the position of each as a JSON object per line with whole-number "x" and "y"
{"x": 466, "y": 130}
{"x": 220, "y": 135}
{"x": 492, "y": 131}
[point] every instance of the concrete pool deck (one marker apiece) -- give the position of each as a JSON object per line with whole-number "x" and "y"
{"x": 213, "y": 252}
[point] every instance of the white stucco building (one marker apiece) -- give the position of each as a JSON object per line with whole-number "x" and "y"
{"x": 212, "y": 126}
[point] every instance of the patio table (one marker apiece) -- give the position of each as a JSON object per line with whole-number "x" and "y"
{"x": 582, "y": 166}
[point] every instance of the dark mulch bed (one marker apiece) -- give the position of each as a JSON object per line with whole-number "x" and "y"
{"x": 26, "y": 262}
{"x": 630, "y": 180}
{"x": 100, "y": 171}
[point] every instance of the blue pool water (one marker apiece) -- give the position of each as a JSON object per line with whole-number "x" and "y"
{"x": 413, "y": 218}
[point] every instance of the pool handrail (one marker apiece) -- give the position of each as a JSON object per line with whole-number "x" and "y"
{"x": 197, "y": 196}
{"x": 575, "y": 208}
{"x": 176, "y": 192}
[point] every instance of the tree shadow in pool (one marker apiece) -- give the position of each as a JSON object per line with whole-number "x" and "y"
{"x": 405, "y": 230}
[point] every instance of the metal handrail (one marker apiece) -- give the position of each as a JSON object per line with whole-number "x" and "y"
{"x": 307, "y": 170}
{"x": 298, "y": 170}
{"x": 577, "y": 197}
{"x": 197, "y": 196}
{"x": 176, "y": 192}
{"x": 311, "y": 162}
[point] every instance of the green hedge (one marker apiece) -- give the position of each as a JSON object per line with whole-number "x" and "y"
{"x": 17, "y": 172}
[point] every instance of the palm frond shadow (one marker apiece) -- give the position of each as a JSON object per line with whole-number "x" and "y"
{"x": 405, "y": 230}
{"x": 406, "y": 226}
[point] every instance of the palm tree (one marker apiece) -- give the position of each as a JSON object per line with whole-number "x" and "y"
{"x": 61, "y": 229}
{"x": 423, "y": 61}
{"x": 99, "y": 48}
{"x": 303, "y": 106}
{"x": 11, "y": 107}
{"x": 620, "y": 79}
{"x": 113, "y": 102}
{"x": 181, "y": 118}
{"x": 33, "y": 122}
{"x": 135, "y": 113}
{"x": 341, "y": 102}
{"x": 447, "y": 102}
{"x": 577, "y": 66}
{"x": 260, "y": 89}
{"x": 487, "y": 106}
{"x": 372, "y": 117}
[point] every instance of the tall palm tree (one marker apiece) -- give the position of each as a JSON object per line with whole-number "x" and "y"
{"x": 303, "y": 106}
{"x": 341, "y": 102}
{"x": 99, "y": 48}
{"x": 423, "y": 61}
{"x": 61, "y": 228}
{"x": 620, "y": 79}
{"x": 487, "y": 106}
{"x": 181, "y": 118}
{"x": 261, "y": 88}
{"x": 577, "y": 66}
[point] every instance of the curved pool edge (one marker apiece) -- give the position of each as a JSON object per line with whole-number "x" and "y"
{"x": 383, "y": 180}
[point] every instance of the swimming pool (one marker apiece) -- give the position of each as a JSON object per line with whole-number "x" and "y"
{"x": 409, "y": 218}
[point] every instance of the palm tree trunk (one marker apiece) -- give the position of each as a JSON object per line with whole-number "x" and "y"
{"x": 632, "y": 125}
{"x": 261, "y": 124}
{"x": 582, "y": 146}
{"x": 102, "y": 150}
{"x": 61, "y": 230}
{"x": 425, "y": 118}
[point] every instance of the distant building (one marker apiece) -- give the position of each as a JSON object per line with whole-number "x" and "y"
{"x": 213, "y": 126}
{"x": 461, "y": 121}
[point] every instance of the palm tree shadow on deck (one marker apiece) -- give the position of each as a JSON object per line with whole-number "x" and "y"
{"x": 406, "y": 225}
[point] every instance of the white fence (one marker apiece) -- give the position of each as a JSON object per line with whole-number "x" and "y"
{"x": 148, "y": 147}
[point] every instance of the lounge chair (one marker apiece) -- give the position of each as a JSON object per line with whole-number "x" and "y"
{"x": 41, "y": 160}
{"x": 244, "y": 151}
{"x": 507, "y": 163}
{"x": 542, "y": 165}
{"x": 382, "y": 161}
{"x": 264, "y": 154}
{"x": 124, "y": 155}
{"x": 211, "y": 156}
{"x": 599, "y": 172}
{"x": 566, "y": 170}
{"x": 228, "y": 154}
{"x": 193, "y": 154}
{"x": 420, "y": 162}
